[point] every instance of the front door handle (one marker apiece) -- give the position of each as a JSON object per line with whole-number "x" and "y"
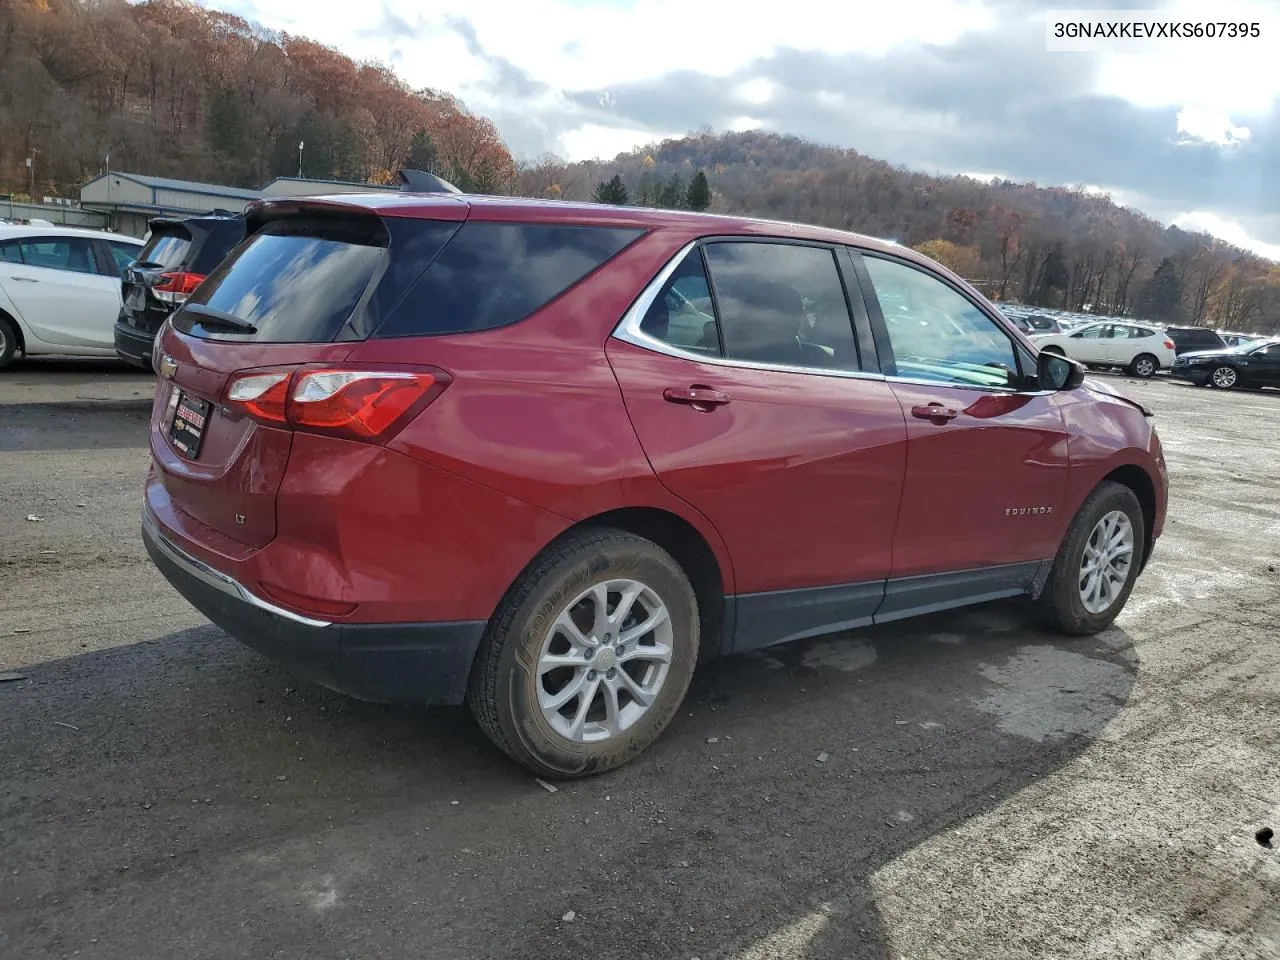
{"x": 25, "y": 279}
{"x": 697, "y": 396}
{"x": 933, "y": 411}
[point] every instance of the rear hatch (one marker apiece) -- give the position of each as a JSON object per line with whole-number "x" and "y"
{"x": 177, "y": 257}
{"x": 310, "y": 282}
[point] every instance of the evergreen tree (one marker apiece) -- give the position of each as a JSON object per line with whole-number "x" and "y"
{"x": 1161, "y": 297}
{"x": 423, "y": 154}
{"x": 699, "y": 196}
{"x": 612, "y": 191}
{"x": 672, "y": 196}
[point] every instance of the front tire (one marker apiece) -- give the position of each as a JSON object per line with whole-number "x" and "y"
{"x": 589, "y": 655}
{"x": 1097, "y": 564}
{"x": 1144, "y": 366}
{"x": 1224, "y": 377}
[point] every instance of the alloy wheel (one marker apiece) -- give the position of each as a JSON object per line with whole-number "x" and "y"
{"x": 1107, "y": 562}
{"x": 1225, "y": 377}
{"x": 1144, "y": 367}
{"x": 604, "y": 660}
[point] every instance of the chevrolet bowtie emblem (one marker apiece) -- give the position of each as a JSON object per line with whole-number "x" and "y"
{"x": 168, "y": 367}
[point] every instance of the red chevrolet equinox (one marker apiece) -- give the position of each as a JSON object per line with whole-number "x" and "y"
{"x": 545, "y": 458}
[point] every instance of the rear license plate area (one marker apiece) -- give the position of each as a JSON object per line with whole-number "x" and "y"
{"x": 188, "y": 423}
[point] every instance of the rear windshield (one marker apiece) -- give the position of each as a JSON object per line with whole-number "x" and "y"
{"x": 295, "y": 281}
{"x": 166, "y": 249}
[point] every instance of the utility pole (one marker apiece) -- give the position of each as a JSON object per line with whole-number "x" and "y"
{"x": 300, "y": 144}
{"x": 31, "y": 174}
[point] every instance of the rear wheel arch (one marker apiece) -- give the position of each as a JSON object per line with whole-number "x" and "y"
{"x": 16, "y": 327}
{"x": 689, "y": 548}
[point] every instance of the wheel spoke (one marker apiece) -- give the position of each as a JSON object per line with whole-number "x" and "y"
{"x": 638, "y": 693}
{"x": 625, "y": 603}
{"x": 554, "y": 701}
{"x": 569, "y": 630}
{"x": 632, "y": 634}
{"x": 657, "y": 652}
{"x": 612, "y": 710}
{"x": 554, "y": 661}
{"x": 600, "y": 602}
{"x": 584, "y": 704}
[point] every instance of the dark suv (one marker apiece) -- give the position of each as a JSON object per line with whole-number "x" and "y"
{"x": 1190, "y": 339}
{"x": 546, "y": 457}
{"x": 177, "y": 257}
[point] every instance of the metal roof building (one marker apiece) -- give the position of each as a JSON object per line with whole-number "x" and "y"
{"x": 131, "y": 199}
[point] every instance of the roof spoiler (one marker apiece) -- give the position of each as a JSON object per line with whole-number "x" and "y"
{"x": 419, "y": 181}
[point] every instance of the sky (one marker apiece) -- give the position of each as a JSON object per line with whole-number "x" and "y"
{"x": 1186, "y": 131}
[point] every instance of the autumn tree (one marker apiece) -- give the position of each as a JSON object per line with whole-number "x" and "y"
{"x": 962, "y": 260}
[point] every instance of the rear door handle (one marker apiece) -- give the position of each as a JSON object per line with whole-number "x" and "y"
{"x": 25, "y": 279}
{"x": 933, "y": 411}
{"x": 696, "y": 396}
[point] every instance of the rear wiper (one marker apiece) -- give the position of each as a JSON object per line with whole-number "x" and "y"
{"x": 216, "y": 319}
{"x": 146, "y": 264}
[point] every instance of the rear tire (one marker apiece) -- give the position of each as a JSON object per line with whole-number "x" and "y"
{"x": 549, "y": 634}
{"x": 1144, "y": 366}
{"x": 1069, "y": 602}
{"x": 8, "y": 341}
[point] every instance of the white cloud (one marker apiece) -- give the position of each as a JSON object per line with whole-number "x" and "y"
{"x": 1228, "y": 230}
{"x": 594, "y": 142}
{"x": 1207, "y": 125}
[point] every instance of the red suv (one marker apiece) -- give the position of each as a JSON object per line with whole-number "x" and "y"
{"x": 544, "y": 458}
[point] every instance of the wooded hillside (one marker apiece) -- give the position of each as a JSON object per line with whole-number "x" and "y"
{"x": 171, "y": 89}
{"x": 1048, "y": 246}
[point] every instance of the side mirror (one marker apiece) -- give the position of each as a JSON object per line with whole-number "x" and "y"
{"x": 1056, "y": 372}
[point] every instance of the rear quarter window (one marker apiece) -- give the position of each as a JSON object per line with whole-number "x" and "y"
{"x": 495, "y": 274}
{"x": 295, "y": 281}
{"x": 166, "y": 248}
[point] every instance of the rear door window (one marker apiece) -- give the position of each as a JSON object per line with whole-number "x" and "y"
{"x": 122, "y": 254}
{"x": 495, "y": 274}
{"x": 781, "y": 303}
{"x": 10, "y": 252}
{"x": 74, "y": 254}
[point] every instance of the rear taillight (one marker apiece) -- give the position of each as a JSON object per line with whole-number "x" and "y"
{"x": 357, "y": 403}
{"x": 1168, "y": 345}
{"x": 176, "y": 287}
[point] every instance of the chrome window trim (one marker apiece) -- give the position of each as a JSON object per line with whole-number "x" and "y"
{"x": 216, "y": 579}
{"x": 628, "y": 328}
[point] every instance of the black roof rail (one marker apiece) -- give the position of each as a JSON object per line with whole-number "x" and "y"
{"x": 419, "y": 181}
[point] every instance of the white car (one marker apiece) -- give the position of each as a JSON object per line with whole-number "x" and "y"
{"x": 60, "y": 290}
{"x": 1140, "y": 349}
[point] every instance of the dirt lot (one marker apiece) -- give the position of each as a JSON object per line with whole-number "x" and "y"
{"x": 991, "y": 791}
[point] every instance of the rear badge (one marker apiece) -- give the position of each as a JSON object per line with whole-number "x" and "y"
{"x": 240, "y": 518}
{"x": 1026, "y": 511}
{"x": 168, "y": 366}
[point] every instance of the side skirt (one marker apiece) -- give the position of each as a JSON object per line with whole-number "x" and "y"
{"x": 755, "y": 620}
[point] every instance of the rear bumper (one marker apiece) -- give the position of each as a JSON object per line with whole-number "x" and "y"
{"x": 386, "y": 662}
{"x": 133, "y": 346}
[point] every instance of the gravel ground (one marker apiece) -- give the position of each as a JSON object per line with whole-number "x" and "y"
{"x": 989, "y": 791}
